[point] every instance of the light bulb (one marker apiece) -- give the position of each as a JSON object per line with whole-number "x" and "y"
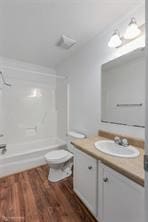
{"x": 132, "y": 30}
{"x": 115, "y": 41}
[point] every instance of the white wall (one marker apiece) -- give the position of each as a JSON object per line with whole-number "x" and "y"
{"x": 83, "y": 69}
{"x": 29, "y": 109}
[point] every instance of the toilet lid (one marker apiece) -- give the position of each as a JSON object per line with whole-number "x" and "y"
{"x": 56, "y": 154}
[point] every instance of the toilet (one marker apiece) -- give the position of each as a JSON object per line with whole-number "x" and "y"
{"x": 60, "y": 164}
{"x": 60, "y": 161}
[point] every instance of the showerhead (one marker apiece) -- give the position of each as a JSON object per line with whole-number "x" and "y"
{"x": 7, "y": 84}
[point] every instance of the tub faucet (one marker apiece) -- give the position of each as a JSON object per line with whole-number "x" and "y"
{"x": 121, "y": 141}
{"x": 3, "y": 148}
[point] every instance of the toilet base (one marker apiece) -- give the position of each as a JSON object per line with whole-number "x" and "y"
{"x": 59, "y": 174}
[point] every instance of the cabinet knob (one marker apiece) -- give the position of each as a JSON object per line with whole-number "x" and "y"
{"x": 90, "y": 167}
{"x": 105, "y": 179}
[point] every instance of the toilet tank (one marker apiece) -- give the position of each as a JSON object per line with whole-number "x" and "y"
{"x": 72, "y": 135}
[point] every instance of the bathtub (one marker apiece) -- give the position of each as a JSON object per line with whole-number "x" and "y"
{"x": 23, "y": 156}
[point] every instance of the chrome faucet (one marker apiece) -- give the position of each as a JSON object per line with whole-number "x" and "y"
{"x": 121, "y": 141}
{"x": 3, "y": 148}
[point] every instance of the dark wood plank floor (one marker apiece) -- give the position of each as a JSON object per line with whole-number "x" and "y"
{"x": 30, "y": 197}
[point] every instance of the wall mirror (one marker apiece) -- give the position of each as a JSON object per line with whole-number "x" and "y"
{"x": 123, "y": 90}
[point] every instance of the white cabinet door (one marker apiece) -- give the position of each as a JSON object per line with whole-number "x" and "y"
{"x": 85, "y": 179}
{"x": 120, "y": 199}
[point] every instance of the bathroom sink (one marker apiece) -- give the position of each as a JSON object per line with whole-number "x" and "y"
{"x": 111, "y": 148}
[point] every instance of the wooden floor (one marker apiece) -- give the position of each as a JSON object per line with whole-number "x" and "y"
{"x": 29, "y": 197}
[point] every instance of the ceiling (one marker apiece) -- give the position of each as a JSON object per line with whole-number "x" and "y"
{"x": 30, "y": 29}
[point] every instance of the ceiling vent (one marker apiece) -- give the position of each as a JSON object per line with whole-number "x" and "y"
{"x": 66, "y": 42}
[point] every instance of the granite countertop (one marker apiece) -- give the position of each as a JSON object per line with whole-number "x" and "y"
{"x": 129, "y": 167}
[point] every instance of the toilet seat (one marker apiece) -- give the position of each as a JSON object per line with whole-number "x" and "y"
{"x": 58, "y": 156}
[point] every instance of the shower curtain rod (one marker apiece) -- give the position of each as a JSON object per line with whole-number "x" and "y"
{"x": 37, "y": 72}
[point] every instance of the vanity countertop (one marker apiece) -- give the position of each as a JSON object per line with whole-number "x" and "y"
{"x": 129, "y": 167}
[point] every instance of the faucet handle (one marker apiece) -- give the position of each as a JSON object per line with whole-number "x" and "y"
{"x": 3, "y": 146}
{"x": 124, "y": 142}
{"x": 117, "y": 139}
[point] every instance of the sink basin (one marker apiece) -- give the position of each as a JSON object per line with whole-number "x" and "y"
{"x": 111, "y": 148}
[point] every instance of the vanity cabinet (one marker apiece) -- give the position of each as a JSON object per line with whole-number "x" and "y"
{"x": 119, "y": 198}
{"x": 85, "y": 179}
{"x": 110, "y": 196}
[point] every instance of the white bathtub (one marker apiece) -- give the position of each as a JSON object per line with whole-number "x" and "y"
{"x": 24, "y": 156}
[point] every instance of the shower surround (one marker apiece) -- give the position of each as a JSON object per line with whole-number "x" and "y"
{"x": 30, "y": 114}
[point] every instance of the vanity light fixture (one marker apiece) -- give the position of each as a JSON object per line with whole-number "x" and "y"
{"x": 131, "y": 33}
{"x": 132, "y": 30}
{"x": 115, "y": 40}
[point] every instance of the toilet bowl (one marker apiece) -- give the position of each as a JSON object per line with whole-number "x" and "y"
{"x": 60, "y": 161}
{"x": 60, "y": 164}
